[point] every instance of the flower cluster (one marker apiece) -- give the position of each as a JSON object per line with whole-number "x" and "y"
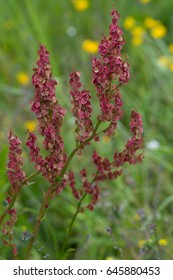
{"x": 81, "y": 108}
{"x": 108, "y": 73}
{"x": 90, "y": 188}
{"x": 7, "y": 231}
{"x": 40, "y": 164}
{"x": 15, "y": 173}
{"x": 133, "y": 144}
{"x": 50, "y": 117}
{"x": 72, "y": 184}
{"x": 17, "y": 177}
{"x": 105, "y": 169}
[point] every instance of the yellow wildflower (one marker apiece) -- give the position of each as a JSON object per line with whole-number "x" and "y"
{"x": 80, "y": 5}
{"x": 166, "y": 62}
{"x": 141, "y": 243}
{"x": 163, "y": 242}
{"x": 22, "y": 78}
{"x": 90, "y": 46}
{"x": 170, "y": 47}
{"x": 163, "y": 61}
{"x": 31, "y": 125}
{"x": 138, "y": 31}
{"x": 171, "y": 66}
{"x": 145, "y": 1}
{"x": 158, "y": 31}
{"x": 137, "y": 40}
{"x": 151, "y": 22}
{"x": 129, "y": 22}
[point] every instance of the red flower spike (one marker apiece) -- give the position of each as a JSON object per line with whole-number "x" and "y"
{"x": 72, "y": 183}
{"x": 81, "y": 108}
{"x": 108, "y": 69}
{"x": 133, "y": 144}
{"x": 50, "y": 117}
{"x": 15, "y": 173}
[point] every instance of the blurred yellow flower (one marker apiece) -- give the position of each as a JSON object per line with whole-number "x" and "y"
{"x": 170, "y": 47}
{"x": 166, "y": 62}
{"x": 31, "y": 125}
{"x": 138, "y": 31}
{"x": 80, "y": 5}
{"x": 171, "y": 66}
{"x": 151, "y": 22}
{"x": 163, "y": 61}
{"x": 141, "y": 243}
{"x": 129, "y": 22}
{"x": 137, "y": 40}
{"x": 90, "y": 46}
{"x": 145, "y": 1}
{"x": 163, "y": 242}
{"x": 22, "y": 78}
{"x": 158, "y": 31}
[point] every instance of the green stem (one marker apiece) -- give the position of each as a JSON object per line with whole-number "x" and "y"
{"x": 11, "y": 204}
{"x": 51, "y": 190}
{"x": 40, "y": 216}
{"x": 74, "y": 218}
{"x": 75, "y": 214}
{"x": 71, "y": 225}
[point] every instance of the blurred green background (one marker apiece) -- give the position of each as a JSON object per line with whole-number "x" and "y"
{"x": 133, "y": 219}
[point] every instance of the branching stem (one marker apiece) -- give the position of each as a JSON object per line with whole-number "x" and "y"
{"x": 51, "y": 190}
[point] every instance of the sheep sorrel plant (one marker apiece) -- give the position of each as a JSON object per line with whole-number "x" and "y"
{"x": 109, "y": 73}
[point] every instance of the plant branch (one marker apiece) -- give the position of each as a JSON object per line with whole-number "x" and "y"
{"x": 40, "y": 216}
{"x": 74, "y": 218}
{"x": 51, "y": 190}
{"x": 75, "y": 151}
{"x": 11, "y": 204}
